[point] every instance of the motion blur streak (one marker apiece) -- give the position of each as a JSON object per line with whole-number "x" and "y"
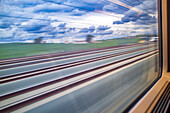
{"x": 81, "y": 74}
{"x": 127, "y": 6}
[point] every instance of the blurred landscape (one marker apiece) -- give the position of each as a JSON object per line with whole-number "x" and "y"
{"x": 13, "y": 50}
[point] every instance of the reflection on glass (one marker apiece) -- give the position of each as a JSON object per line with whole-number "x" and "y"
{"x": 76, "y": 55}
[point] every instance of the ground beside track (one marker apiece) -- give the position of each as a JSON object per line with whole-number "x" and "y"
{"x": 15, "y": 50}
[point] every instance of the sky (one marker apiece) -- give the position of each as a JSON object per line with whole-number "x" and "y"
{"x": 26, "y": 20}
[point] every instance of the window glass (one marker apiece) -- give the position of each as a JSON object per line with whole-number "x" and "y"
{"x": 69, "y": 56}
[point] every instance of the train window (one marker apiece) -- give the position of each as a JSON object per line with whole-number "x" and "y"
{"x": 73, "y": 56}
{"x": 168, "y": 11}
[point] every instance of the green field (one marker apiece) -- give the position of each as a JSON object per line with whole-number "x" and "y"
{"x": 14, "y": 50}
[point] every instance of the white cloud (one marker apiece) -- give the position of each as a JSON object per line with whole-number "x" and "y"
{"x": 50, "y": 7}
{"x": 6, "y": 33}
{"x": 110, "y": 7}
{"x": 77, "y": 12}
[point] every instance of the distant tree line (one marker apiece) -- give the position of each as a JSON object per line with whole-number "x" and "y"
{"x": 38, "y": 40}
{"x": 89, "y": 38}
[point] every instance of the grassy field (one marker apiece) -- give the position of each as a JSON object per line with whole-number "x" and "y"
{"x": 14, "y": 50}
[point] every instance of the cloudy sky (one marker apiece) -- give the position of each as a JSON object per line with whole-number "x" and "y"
{"x": 25, "y": 20}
